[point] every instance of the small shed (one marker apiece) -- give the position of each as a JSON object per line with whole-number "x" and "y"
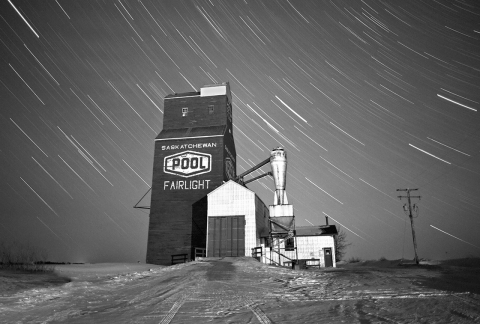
{"x": 317, "y": 242}
{"x": 236, "y": 221}
{"x": 315, "y": 246}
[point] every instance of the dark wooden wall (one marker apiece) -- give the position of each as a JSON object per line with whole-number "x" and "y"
{"x": 198, "y": 113}
{"x": 179, "y": 216}
{"x": 199, "y": 224}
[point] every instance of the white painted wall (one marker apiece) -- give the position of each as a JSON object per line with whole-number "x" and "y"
{"x": 232, "y": 199}
{"x": 312, "y": 247}
{"x": 309, "y": 247}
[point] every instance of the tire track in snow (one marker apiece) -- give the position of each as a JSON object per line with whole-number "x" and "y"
{"x": 259, "y": 313}
{"x": 173, "y": 311}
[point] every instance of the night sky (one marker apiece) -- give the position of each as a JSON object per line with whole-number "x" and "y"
{"x": 366, "y": 97}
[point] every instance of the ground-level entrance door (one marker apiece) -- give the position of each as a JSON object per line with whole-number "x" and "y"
{"x": 327, "y": 253}
{"x": 226, "y": 236}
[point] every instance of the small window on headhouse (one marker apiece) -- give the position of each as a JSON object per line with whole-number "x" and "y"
{"x": 184, "y": 112}
{"x": 211, "y": 108}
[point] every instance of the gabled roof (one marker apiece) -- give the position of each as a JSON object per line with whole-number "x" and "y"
{"x": 316, "y": 230}
{"x": 230, "y": 183}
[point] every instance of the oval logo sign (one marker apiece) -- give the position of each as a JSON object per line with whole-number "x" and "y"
{"x": 188, "y": 164}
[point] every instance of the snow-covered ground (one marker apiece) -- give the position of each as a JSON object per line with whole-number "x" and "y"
{"x": 241, "y": 290}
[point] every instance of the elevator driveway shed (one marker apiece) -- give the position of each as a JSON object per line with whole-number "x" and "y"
{"x": 237, "y": 220}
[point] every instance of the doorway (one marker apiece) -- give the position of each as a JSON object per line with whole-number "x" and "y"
{"x": 327, "y": 254}
{"x": 226, "y": 236}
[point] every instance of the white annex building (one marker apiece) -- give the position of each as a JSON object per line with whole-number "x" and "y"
{"x": 315, "y": 246}
{"x": 239, "y": 221}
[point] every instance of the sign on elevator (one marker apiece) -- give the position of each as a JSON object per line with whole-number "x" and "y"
{"x": 188, "y": 164}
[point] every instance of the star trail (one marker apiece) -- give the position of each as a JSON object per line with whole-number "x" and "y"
{"x": 366, "y": 97}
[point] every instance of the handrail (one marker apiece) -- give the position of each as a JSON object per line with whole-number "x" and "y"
{"x": 275, "y": 262}
{"x": 200, "y": 252}
{"x": 283, "y": 255}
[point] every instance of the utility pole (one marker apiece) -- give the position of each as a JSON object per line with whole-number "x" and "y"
{"x": 415, "y": 208}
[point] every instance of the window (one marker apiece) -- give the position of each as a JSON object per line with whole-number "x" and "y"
{"x": 290, "y": 244}
{"x": 184, "y": 112}
{"x": 268, "y": 242}
{"x": 211, "y": 108}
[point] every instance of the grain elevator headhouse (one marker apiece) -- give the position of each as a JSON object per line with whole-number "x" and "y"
{"x": 194, "y": 154}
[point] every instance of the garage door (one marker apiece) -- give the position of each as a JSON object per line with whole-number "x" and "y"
{"x": 226, "y": 236}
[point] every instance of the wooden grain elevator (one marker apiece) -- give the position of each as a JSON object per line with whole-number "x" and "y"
{"x": 194, "y": 154}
